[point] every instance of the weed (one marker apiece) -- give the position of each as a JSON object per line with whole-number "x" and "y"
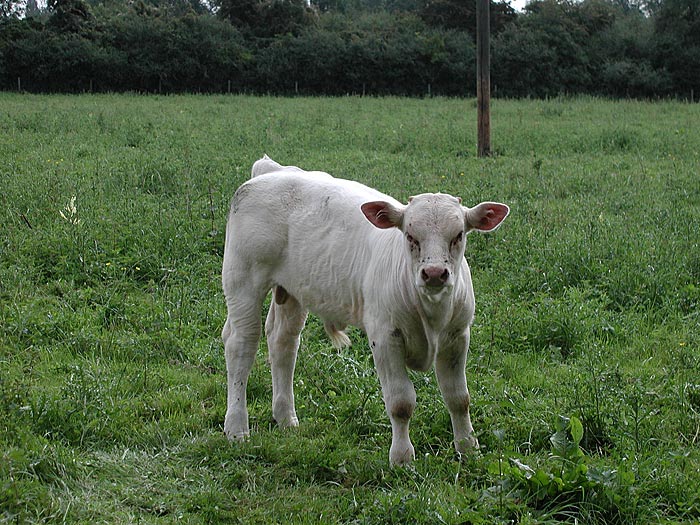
{"x": 565, "y": 482}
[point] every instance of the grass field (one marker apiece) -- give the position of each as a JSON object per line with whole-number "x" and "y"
{"x": 585, "y": 361}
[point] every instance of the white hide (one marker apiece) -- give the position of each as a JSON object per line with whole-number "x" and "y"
{"x": 352, "y": 256}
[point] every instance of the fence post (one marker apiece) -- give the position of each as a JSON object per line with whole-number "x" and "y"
{"x": 19, "y": 84}
{"x": 483, "y": 82}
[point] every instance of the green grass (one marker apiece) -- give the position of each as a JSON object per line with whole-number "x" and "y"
{"x": 112, "y": 376}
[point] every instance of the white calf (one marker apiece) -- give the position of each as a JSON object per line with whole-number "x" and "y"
{"x": 353, "y": 256}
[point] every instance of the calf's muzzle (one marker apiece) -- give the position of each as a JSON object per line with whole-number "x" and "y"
{"x": 435, "y": 276}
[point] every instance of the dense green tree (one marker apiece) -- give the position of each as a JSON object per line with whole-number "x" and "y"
{"x": 542, "y": 53}
{"x": 284, "y": 17}
{"x": 358, "y": 6}
{"x": 11, "y": 8}
{"x": 32, "y": 9}
{"x": 461, "y": 14}
{"x": 623, "y": 54}
{"x": 641, "y": 48}
{"x": 593, "y": 46}
{"x": 522, "y": 63}
{"x": 51, "y": 61}
{"x": 70, "y": 16}
{"x": 241, "y": 13}
{"x": 267, "y": 18}
{"x": 594, "y": 16}
{"x": 156, "y": 51}
{"x": 677, "y": 30}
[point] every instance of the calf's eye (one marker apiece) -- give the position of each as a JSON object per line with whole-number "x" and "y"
{"x": 457, "y": 239}
{"x": 412, "y": 241}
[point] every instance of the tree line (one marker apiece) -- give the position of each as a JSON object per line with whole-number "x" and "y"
{"x": 333, "y": 47}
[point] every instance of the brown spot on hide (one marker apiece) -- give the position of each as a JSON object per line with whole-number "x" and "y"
{"x": 396, "y": 332}
{"x": 281, "y": 295}
{"x": 460, "y": 404}
{"x": 402, "y": 410}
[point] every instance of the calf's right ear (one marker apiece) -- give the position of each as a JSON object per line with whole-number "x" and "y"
{"x": 383, "y": 214}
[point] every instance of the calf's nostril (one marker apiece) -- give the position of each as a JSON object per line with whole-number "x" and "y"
{"x": 445, "y": 275}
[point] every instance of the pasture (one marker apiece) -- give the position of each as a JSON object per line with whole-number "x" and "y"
{"x": 584, "y": 368}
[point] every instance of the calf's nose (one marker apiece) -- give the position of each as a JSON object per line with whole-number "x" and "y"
{"x": 435, "y": 275}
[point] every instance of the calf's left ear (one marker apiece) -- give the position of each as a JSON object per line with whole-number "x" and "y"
{"x": 383, "y": 214}
{"x": 486, "y": 216}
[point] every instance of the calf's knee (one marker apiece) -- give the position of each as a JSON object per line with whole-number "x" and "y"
{"x": 402, "y": 410}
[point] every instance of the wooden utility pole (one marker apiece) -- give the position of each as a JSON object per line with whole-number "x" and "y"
{"x": 483, "y": 78}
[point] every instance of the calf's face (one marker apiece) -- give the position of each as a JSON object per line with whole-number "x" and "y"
{"x": 434, "y": 226}
{"x": 434, "y": 230}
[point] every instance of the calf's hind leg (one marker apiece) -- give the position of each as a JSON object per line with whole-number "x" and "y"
{"x": 283, "y": 326}
{"x": 241, "y": 335}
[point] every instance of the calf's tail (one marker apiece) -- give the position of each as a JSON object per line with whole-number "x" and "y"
{"x": 339, "y": 339}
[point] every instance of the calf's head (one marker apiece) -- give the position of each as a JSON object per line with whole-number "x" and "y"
{"x": 434, "y": 226}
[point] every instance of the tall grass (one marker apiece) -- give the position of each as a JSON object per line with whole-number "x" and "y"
{"x": 584, "y": 368}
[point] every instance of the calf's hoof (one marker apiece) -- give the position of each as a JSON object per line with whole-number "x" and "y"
{"x": 236, "y": 428}
{"x": 467, "y": 444}
{"x": 401, "y": 455}
{"x": 287, "y": 422}
{"x": 237, "y": 437}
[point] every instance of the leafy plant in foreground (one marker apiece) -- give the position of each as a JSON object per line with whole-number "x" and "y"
{"x": 566, "y": 479}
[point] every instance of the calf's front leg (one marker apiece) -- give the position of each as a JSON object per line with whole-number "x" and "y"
{"x": 450, "y": 372}
{"x": 398, "y": 392}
